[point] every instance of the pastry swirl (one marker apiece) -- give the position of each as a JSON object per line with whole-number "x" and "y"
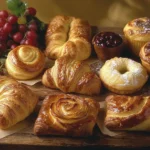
{"x": 25, "y": 62}
{"x": 127, "y": 113}
{"x": 70, "y": 75}
{"x": 66, "y": 114}
{"x": 16, "y": 102}
{"x": 68, "y": 36}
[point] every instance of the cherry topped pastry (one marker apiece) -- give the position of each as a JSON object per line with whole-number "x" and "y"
{"x": 107, "y": 45}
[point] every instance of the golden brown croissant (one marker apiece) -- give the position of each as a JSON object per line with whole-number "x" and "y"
{"x": 70, "y": 75}
{"x": 128, "y": 113}
{"x": 65, "y": 114}
{"x": 16, "y": 102}
{"x": 25, "y": 62}
{"x": 68, "y": 36}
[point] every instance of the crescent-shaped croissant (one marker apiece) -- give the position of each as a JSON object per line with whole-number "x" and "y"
{"x": 68, "y": 36}
{"x": 66, "y": 114}
{"x": 16, "y": 102}
{"x": 70, "y": 75}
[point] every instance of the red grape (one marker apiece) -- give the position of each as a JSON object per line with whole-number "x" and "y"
{"x": 30, "y": 11}
{"x": 17, "y": 37}
{"x": 30, "y": 42}
{"x": 2, "y": 46}
{"x": 7, "y": 27}
{"x": 31, "y": 35}
{"x": 3, "y": 14}
{"x": 2, "y": 22}
{"x": 22, "y": 41}
{"x": 22, "y": 28}
{"x": 10, "y": 43}
{"x": 12, "y": 19}
{"x": 13, "y": 46}
{"x": 32, "y": 26}
{"x": 3, "y": 35}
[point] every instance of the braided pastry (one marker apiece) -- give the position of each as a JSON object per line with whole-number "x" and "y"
{"x": 25, "y": 62}
{"x": 72, "y": 76}
{"x": 68, "y": 36}
{"x": 16, "y": 102}
{"x": 128, "y": 113}
{"x": 67, "y": 115}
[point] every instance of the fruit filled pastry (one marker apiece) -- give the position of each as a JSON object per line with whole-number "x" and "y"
{"x": 128, "y": 113}
{"x": 70, "y": 75}
{"x": 25, "y": 62}
{"x": 65, "y": 114}
{"x": 68, "y": 36}
{"x": 16, "y": 102}
{"x": 137, "y": 33}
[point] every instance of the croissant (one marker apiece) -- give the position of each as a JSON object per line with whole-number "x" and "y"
{"x": 16, "y": 102}
{"x": 25, "y": 62}
{"x": 65, "y": 114}
{"x": 70, "y": 75}
{"x": 68, "y": 36}
{"x": 128, "y": 113}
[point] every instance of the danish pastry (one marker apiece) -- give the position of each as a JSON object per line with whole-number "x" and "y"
{"x": 70, "y": 75}
{"x": 127, "y": 113}
{"x": 137, "y": 33}
{"x": 65, "y": 114}
{"x": 123, "y": 75}
{"x": 68, "y": 36}
{"x": 25, "y": 62}
{"x": 16, "y": 102}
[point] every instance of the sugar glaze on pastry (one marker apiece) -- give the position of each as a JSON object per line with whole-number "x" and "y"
{"x": 123, "y": 75}
{"x": 128, "y": 113}
{"x": 65, "y": 114}
{"x": 68, "y": 36}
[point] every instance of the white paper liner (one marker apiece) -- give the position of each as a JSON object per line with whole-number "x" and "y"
{"x": 100, "y": 122}
{"x": 19, "y": 126}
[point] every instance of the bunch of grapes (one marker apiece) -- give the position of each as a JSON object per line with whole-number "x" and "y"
{"x": 22, "y": 30}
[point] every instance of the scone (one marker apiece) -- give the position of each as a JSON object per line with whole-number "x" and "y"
{"x": 137, "y": 33}
{"x": 145, "y": 56}
{"x": 127, "y": 113}
{"x": 67, "y": 115}
{"x": 25, "y": 62}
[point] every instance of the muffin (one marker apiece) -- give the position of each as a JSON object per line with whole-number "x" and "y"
{"x": 107, "y": 45}
{"x": 145, "y": 56}
{"x": 137, "y": 33}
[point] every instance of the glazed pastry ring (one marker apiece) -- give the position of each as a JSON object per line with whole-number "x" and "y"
{"x": 123, "y": 75}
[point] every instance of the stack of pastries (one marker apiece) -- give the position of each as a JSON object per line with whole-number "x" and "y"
{"x": 69, "y": 43}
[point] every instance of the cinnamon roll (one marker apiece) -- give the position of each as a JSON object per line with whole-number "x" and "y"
{"x": 25, "y": 62}
{"x": 137, "y": 33}
{"x": 66, "y": 114}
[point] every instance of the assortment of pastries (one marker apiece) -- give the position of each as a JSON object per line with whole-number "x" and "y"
{"x": 69, "y": 43}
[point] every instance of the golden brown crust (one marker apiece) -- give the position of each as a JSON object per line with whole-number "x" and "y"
{"x": 126, "y": 112}
{"x": 16, "y": 102}
{"x": 66, "y": 114}
{"x": 145, "y": 56}
{"x": 123, "y": 75}
{"x": 25, "y": 62}
{"x": 72, "y": 76}
{"x": 68, "y": 36}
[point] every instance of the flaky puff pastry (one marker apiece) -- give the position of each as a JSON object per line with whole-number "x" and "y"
{"x": 65, "y": 114}
{"x": 70, "y": 75}
{"x": 128, "y": 113}
{"x": 16, "y": 102}
{"x": 25, "y": 62}
{"x": 68, "y": 36}
{"x": 145, "y": 56}
{"x": 137, "y": 33}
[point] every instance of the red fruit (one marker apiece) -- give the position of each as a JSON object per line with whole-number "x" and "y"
{"x": 10, "y": 43}
{"x": 12, "y": 19}
{"x": 30, "y": 11}
{"x": 3, "y": 35}
{"x": 13, "y": 46}
{"x": 3, "y": 14}
{"x": 22, "y": 41}
{"x": 2, "y": 22}
{"x": 22, "y": 28}
{"x": 31, "y": 35}
{"x": 7, "y": 27}
{"x": 30, "y": 42}
{"x": 17, "y": 37}
{"x": 2, "y": 46}
{"x": 33, "y": 26}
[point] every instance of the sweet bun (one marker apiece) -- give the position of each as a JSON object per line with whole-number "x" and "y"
{"x": 145, "y": 56}
{"x": 68, "y": 36}
{"x": 137, "y": 33}
{"x": 25, "y": 62}
{"x": 68, "y": 115}
{"x": 123, "y": 75}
